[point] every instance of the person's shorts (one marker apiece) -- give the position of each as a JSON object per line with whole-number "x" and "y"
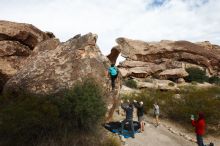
{"x": 156, "y": 114}
{"x": 141, "y": 118}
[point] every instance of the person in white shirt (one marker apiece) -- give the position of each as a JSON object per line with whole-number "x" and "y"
{"x": 156, "y": 113}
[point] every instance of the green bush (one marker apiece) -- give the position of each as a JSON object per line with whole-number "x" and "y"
{"x": 193, "y": 100}
{"x": 85, "y": 104}
{"x": 196, "y": 74}
{"x": 214, "y": 80}
{"x": 130, "y": 83}
{"x": 111, "y": 141}
{"x": 171, "y": 84}
{"x": 194, "y": 83}
{"x": 27, "y": 119}
{"x": 149, "y": 97}
{"x": 196, "y": 100}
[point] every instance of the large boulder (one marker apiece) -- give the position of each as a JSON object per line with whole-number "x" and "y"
{"x": 51, "y": 70}
{"x": 26, "y": 34}
{"x": 17, "y": 40}
{"x": 139, "y": 69}
{"x": 12, "y": 57}
{"x": 173, "y": 73}
{"x": 172, "y": 54}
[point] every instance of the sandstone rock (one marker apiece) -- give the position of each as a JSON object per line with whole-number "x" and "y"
{"x": 177, "y": 96}
{"x": 45, "y": 46}
{"x": 113, "y": 55}
{"x": 59, "y": 68}
{"x": 165, "y": 52}
{"x": 12, "y": 57}
{"x": 146, "y": 85}
{"x": 157, "y": 84}
{"x": 140, "y": 69}
{"x": 127, "y": 90}
{"x": 26, "y": 34}
{"x": 173, "y": 73}
{"x": 180, "y": 81}
{"x": 124, "y": 72}
{"x": 50, "y": 34}
{"x": 166, "y": 85}
{"x": 13, "y": 48}
{"x": 17, "y": 40}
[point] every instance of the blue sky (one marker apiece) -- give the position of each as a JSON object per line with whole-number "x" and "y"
{"x": 148, "y": 20}
{"x": 158, "y": 3}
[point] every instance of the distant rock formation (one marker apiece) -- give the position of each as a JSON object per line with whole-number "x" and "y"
{"x": 165, "y": 59}
{"x": 17, "y": 40}
{"x": 55, "y": 66}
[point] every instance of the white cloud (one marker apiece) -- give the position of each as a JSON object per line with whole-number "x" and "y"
{"x": 193, "y": 20}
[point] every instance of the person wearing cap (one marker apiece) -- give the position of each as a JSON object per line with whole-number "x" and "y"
{"x": 199, "y": 125}
{"x": 140, "y": 113}
{"x": 128, "y": 108}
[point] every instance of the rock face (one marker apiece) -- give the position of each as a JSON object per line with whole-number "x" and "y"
{"x": 17, "y": 40}
{"x": 26, "y": 34}
{"x": 173, "y": 73}
{"x": 54, "y": 67}
{"x": 166, "y": 58}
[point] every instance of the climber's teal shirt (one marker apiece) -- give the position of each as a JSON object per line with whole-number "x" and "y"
{"x": 112, "y": 71}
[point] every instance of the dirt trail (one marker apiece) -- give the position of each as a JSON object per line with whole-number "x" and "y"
{"x": 167, "y": 134}
{"x": 159, "y": 136}
{"x": 162, "y": 136}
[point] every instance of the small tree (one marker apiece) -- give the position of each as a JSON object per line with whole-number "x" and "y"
{"x": 27, "y": 119}
{"x": 131, "y": 83}
{"x": 196, "y": 74}
{"x": 87, "y": 104}
{"x": 214, "y": 80}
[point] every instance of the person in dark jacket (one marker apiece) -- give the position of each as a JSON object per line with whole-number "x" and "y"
{"x": 199, "y": 128}
{"x": 128, "y": 108}
{"x": 140, "y": 113}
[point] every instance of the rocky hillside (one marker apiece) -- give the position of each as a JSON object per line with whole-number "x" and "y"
{"x": 165, "y": 59}
{"x": 17, "y": 41}
{"x": 36, "y": 62}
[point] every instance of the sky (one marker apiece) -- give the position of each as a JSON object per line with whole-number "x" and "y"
{"x": 147, "y": 20}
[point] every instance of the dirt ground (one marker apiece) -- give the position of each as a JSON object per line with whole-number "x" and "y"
{"x": 162, "y": 136}
{"x": 159, "y": 136}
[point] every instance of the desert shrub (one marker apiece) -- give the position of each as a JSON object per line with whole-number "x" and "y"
{"x": 130, "y": 83}
{"x": 196, "y": 100}
{"x": 214, "y": 80}
{"x": 28, "y": 118}
{"x": 79, "y": 139}
{"x": 111, "y": 141}
{"x": 150, "y": 80}
{"x": 85, "y": 104}
{"x": 194, "y": 83}
{"x": 149, "y": 97}
{"x": 192, "y": 101}
{"x": 196, "y": 74}
{"x": 171, "y": 84}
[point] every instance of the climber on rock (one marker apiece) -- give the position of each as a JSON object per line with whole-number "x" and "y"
{"x": 113, "y": 73}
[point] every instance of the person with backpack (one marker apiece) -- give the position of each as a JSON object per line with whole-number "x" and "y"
{"x": 128, "y": 108}
{"x": 156, "y": 113}
{"x": 199, "y": 125}
{"x": 140, "y": 113}
{"x": 113, "y": 73}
